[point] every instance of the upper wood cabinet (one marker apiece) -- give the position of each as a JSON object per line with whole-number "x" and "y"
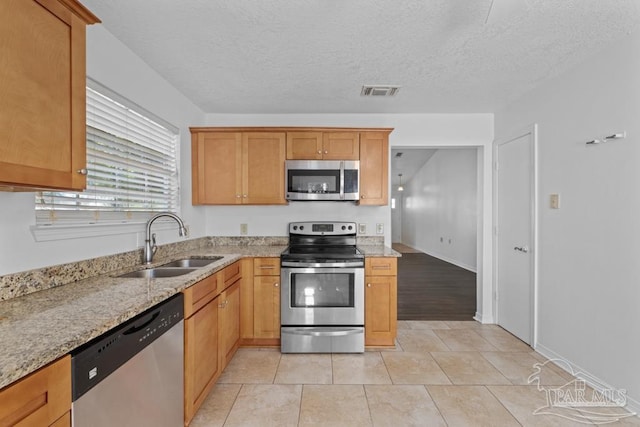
{"x": 42, "y": 93}
{"x": 323, "y": 145}
{"x": 233, "y": 168}
{"x": 374, "y": 168}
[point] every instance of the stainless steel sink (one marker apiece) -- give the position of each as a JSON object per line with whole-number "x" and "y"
{"x": 152, "y": 273}
{"x": 192, "y": 262}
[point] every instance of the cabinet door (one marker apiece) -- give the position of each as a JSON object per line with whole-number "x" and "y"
{"x": 229, "y": 323}
{"x": 341, "y": 145}
{"x": 374, "y": 168}
{"x": 216, "y": 165}
{"x": 42, "y": 94}
{"x": 266, "y": 314}
{"x": 381, "y": 313}
{"x": 304, "y": 145}
{"x": 263, "y": 168}
{"x": 201, "y": 363}
{"x": 40, "y": 398}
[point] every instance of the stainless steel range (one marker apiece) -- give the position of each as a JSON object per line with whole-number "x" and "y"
{"x": 322, "y": 293}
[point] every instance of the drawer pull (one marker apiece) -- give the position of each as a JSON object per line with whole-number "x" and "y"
{"x": 267, "y": 267}
{"x": 276, "y": 284}
{"x": 382, "y": 267}
{"x": 368, "y": 285}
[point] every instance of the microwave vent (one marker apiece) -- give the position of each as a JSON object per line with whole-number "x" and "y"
{"x": 373, "y": 90}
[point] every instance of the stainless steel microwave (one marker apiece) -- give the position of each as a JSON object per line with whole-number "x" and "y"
{"x": 322, "y": 180}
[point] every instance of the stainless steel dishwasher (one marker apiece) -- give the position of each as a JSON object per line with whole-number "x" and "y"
{"x": 133, "y": 374}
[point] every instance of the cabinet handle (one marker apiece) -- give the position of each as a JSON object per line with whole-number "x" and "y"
{"x": 382, "y": 267}
{"x": 244, "y": 195}
{"x": 362, "y": 197}
{"x": 326, "y": 152}
{"x": 276, "y": 284}
{"x": 368, "y": 285}
{"x": 267, "y": 267}
{"x": 82, "y": 171}
{"x": 238, "y": 196}
{"x": 319, "y": 151}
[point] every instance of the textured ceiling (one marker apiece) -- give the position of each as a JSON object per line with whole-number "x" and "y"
{"x": 313, "y": 56}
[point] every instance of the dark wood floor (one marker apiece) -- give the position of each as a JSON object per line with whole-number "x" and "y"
{"x": 432, "y": 289}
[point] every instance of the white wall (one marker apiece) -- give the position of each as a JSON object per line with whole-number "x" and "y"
{"x": 589, "y": 280}
{"x": 440, "y": 207}
{"x": 115, "y": 66}
{"x": 396, "y": 218}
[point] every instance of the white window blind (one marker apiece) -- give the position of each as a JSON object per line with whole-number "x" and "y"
{"x": 131, "y": 168}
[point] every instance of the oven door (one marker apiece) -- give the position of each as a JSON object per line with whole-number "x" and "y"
{"x": 322, "y": 296}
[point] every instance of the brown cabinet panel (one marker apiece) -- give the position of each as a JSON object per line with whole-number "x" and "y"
{"x": 246, "y": 300}
{"x": 263, "y": 168}
{"x": 381, "y": 301}
{"x": 216, "y": 165}
{"x": 266, "y": 266}
{"x": 383, "y": 266}
{"x": 63, "y": 421}
{"x": 198, "y": 295}
{"x": 341, "y": 146}
{"x": 42, "y": 93}
{"x": 229, "y": 323}
{"x": 201, "y": 360}
{"x": 231, "y": 274}
{"x": 304, "y": 145}
{"x": 266, "y": 297}
{"x": 39, "y": 399}
{"x": 374, "y": 168}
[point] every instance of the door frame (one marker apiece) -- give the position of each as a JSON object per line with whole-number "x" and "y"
{"x": 485, "y": 310}
{"x": 531, "y": 130}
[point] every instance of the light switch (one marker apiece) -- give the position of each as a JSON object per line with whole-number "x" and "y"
{"x": 362, "y": 228}
{"x": 379, "y": 228}
{"x": 244, "y": 229}
{"x": 554, "y": 201}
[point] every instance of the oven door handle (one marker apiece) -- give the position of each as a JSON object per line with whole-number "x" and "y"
{"x": 323, "y": 332}
{"x": 356, "y": 264}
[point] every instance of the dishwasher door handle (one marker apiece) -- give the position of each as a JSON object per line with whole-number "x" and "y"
{"x": 134, "y": 328}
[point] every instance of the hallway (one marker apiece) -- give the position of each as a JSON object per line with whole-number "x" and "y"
{"x": 432, "y": 289}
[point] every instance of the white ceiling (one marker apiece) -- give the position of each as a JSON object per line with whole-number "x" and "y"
{"x": 313, "y": 56}
{"x": 410, "y": 162}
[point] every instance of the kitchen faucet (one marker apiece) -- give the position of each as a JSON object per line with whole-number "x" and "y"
{"x": 150, "y": 247}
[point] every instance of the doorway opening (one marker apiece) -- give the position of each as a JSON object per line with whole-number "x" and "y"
{"x": 436, "y": 226}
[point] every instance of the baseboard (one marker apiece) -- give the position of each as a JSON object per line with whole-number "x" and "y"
{"x": 450, "y": 260}
{"x": 592, "y": 380}
{"x": 485, "y": 320}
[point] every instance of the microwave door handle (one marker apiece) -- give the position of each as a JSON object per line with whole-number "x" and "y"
{"x": 342, "y": 180}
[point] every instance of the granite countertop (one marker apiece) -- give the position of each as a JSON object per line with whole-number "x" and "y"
{"x": 40, "y": 327}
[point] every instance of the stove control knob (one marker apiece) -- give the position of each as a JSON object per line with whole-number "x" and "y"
{"x": 344, "y": 227}
{"x": 295, "y": 227}
{"x": 351, "y": 227}
{"x": 301, "y": 227}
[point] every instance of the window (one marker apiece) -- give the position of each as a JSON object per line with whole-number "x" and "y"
{"x": 132, "y": 169}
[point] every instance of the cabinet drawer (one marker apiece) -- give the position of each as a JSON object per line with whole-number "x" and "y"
{"x": 231, "y": 274}
{"x": 266, "y": 266}
{"x": 40, "y": 398}
{"x": 198, "y": 295}
{"x": 386, "y": 266}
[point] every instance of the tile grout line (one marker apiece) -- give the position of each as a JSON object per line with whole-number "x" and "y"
{"x": 502, "y": 404}
{"x": 235, "y": 399}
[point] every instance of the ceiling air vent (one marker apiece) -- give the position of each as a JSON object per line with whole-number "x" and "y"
{"x": 379, "y": 90}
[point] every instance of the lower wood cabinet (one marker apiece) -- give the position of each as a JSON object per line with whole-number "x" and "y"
{"x": 42, "y": 398}
{"x": 381, "y": 301}
{"x": 211, "y": 333}
{"x": 260, "y": 312}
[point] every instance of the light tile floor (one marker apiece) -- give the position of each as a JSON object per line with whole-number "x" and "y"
{"x": 439, "y": 374}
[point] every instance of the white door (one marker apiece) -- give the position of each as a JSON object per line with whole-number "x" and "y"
{"x": 515, "y": 234}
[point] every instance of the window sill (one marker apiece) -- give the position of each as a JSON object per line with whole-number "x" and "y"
{"x": 47, "y": 233}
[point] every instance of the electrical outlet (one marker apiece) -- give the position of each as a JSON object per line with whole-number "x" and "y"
{"x": 244, "y": 229}
{"x": 379, "y": 228}
{"x": 362, "y": 228}
{"x": 554, "y": 201}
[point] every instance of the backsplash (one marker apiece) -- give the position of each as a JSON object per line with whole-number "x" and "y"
{"x": 26, "y": 282}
